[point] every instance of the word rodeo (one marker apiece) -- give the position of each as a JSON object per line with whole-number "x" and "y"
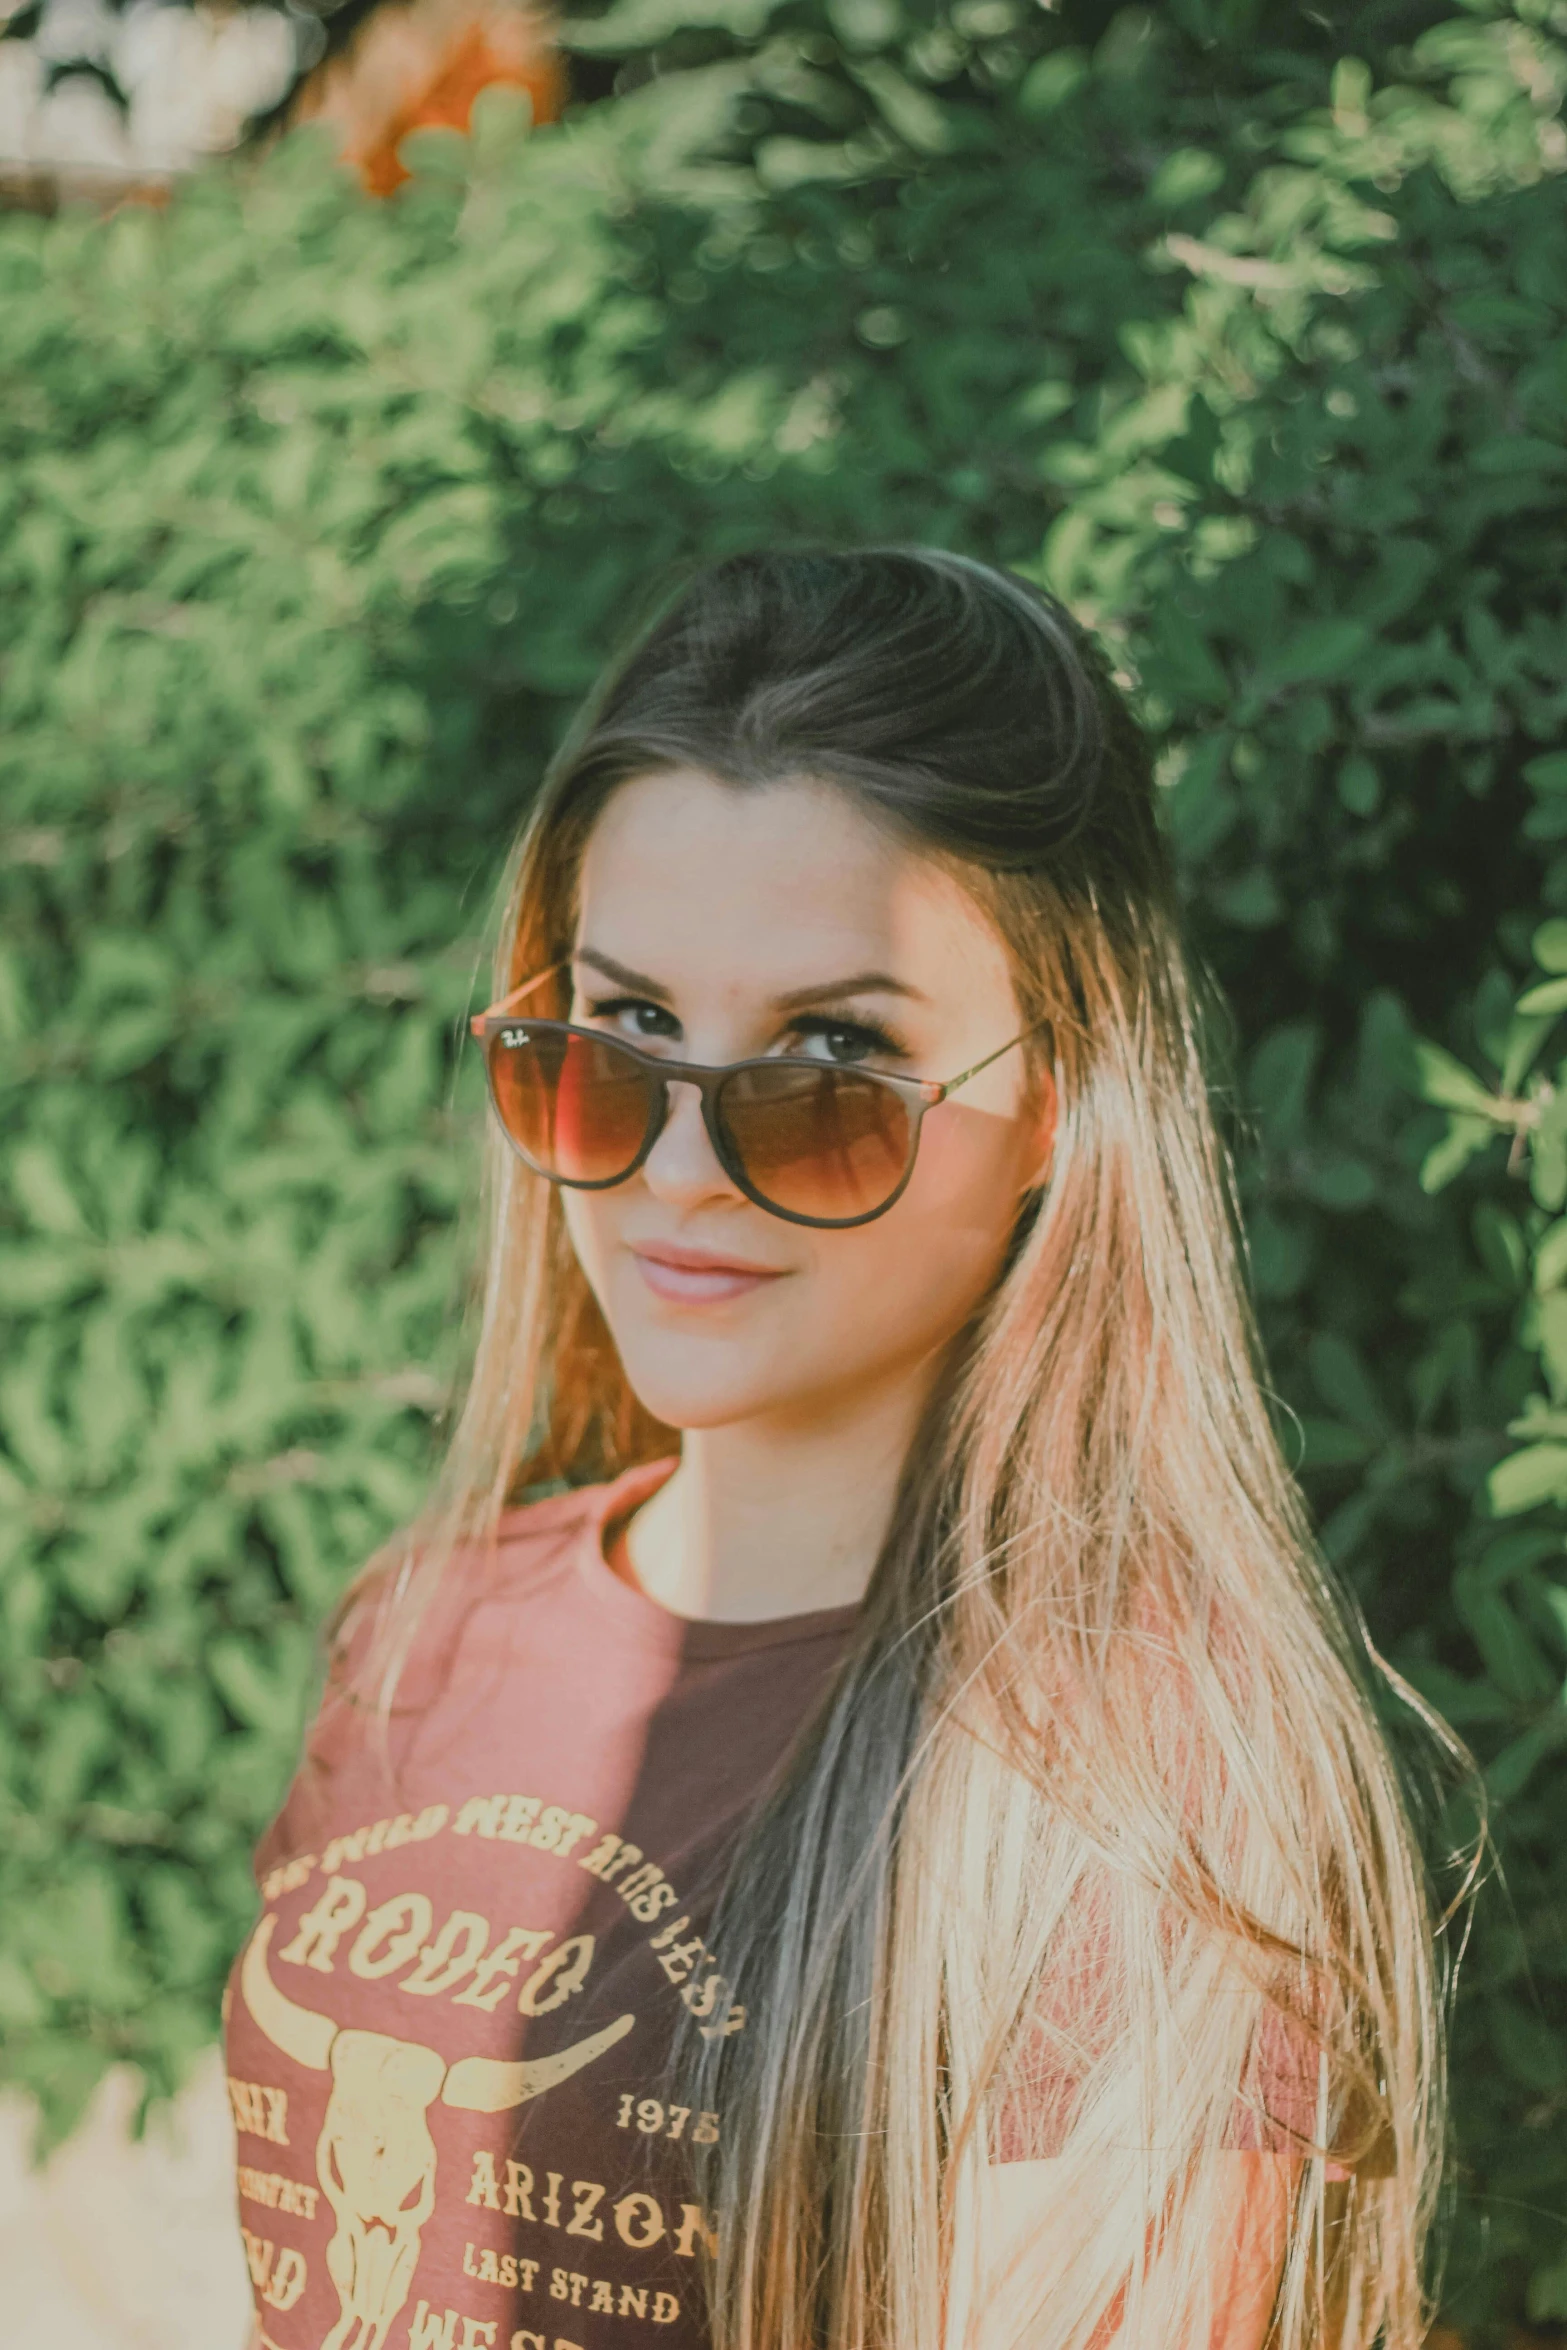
{"x": 375, "y": 2157}
{"x": 395, "y": 1933}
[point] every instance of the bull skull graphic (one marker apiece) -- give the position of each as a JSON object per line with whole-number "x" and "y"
{"x": 375, "y": 2156}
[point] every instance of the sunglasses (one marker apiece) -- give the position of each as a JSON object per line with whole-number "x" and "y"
{"x": 814, "y": 1142}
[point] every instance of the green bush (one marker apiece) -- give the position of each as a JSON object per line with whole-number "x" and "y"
{"x": 315, "y": 516}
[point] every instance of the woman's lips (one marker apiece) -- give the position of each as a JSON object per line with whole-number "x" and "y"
{"x": 694, "y": 1277}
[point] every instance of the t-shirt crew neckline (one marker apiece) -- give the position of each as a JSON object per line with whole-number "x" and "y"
{"x": 636, "y": 1617}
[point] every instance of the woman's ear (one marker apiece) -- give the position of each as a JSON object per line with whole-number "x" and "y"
{"x": 1041, "y": 1132}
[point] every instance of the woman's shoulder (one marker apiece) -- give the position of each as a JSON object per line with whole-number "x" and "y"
{"x": 435, "y": 1567}
{"x": 536, "y": 1537}
{"x": 393, "y": 1655}
{"x": 541, "y": 1524}
{"x": 429, "y": 1578}
{"x": 550, "y": 1523}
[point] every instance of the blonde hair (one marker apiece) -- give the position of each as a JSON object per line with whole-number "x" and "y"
{"x": 1098, "y": 1827}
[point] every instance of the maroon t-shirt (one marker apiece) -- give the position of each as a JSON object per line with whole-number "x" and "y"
{"x": 448, "y": 2035}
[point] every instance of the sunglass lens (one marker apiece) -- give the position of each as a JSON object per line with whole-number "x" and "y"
{"x": 831, "y": 1144}
{"x": 577, "y": 1107}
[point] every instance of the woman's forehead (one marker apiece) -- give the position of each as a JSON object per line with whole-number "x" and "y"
{"x": 788, "y": 884}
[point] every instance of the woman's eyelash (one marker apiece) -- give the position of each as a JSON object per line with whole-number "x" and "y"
{"x": 865, "y": 1032}
{"x": 872, "y": 1039}
{"x": 605, "y": 1007}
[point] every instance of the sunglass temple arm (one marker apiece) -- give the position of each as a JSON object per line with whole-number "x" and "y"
{"x": 495, "y": 1011}
{"x": 952, "y": 1083}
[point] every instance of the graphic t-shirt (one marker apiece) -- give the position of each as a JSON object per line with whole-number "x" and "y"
{"x": 448, "y": 2035}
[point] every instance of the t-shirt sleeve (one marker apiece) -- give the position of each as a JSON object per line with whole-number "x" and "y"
{"x": 351, "y": 1718}
{"x": 1277, "y": 2106}
{"x": 334, "y": 1731}
{"x": 1275, "y": 2109}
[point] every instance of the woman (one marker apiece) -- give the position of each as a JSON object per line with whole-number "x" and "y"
{"x": 894, "y": 1850}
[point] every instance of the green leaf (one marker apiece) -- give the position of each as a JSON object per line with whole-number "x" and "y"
{"x": 1359, "y": 786}
{"x": 1446, "y": 1081}
{"x": 1509, "y": 1774}
{"x": 1522, "y": 1041}
{"x": 1548, "y": 1156}
{"x": 1049, "y": 83}
{"x": 1465, "y": 1137}
{"x": 1532, "y": 2050}
{"x": 1512, "y": 1656}
{"x": 22, "y": 2005}
{"x": 1550, "y": 1257}
{"x": 263, "y": 1699}
{"x": 864, "y": 24}
{"x": 44, "y": 1193}
{"x": 1526, "y": 1479}
{"x": 1280, "y": 1078}
{"x": 1546, "y": 2298}
{"x": 1341, "y": 1182}
{"x": 1186, "y": 660}
{"x": 1323, "y": 650}
{"x": 1500, "y": 1242}
{"x": 1252, "y": 901}
{"x": 1186, "y": 176}
{"x": 1328, "y": 1444}
{"x": 1551, "y": 1322}
{"x": 1281, "y": 1253}
{"x": 1344, "y": 1383}
{"x": 912, "y": 113}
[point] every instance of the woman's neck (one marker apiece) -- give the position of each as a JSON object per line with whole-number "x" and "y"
{"x": 764, "y": 1520}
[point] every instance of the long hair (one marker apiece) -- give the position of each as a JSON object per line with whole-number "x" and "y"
{"x": 1096, "y": 1837}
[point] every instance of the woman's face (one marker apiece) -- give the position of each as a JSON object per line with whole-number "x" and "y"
{"x": 718, "y": 924}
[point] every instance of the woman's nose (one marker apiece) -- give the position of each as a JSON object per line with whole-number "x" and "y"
{"x": 683, "y": 1167}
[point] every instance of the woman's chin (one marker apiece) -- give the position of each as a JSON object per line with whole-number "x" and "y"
{"x": 711, "y": 1394}
{"x": 692, "y": 1409}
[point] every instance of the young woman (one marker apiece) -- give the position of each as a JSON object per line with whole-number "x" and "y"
{"x": 894, "y": 1850}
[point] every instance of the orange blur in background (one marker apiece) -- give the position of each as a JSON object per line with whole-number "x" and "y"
{"x": 420, "y": 66}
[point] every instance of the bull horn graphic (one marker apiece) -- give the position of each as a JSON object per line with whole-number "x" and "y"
{"x": 483, "y": 2084}
{"x": 474, "y": 2084}
{"x": 375, "y": 2156}
{"x": 298, "y": 2031}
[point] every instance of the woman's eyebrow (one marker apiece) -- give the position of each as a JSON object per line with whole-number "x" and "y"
{"x": 826, "y": 991}
{"x": 637, "y": 982}
{"x": 863, "y": 983}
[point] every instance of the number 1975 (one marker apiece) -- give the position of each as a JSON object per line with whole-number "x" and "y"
{"x": 667, "y": 2121}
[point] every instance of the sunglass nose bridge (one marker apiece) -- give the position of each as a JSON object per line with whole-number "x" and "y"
{"x": 661, "y": 1085}
{"x": 705, "y": 1109}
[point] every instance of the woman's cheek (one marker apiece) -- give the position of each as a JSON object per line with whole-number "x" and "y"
{"x": 908, "y": 1288}
{"x": 590, "y": 1221}
{"x": 968, "y": 1177}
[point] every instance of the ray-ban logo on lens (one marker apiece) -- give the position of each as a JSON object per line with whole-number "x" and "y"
{"x": 513, "y": 1037}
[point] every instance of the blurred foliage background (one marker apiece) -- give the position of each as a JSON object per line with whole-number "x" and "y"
{"x": 1240, "y": 324}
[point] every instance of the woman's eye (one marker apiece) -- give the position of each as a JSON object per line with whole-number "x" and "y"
{"x": 846, "y": 1041}
{"x": 633, "y": 1016}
